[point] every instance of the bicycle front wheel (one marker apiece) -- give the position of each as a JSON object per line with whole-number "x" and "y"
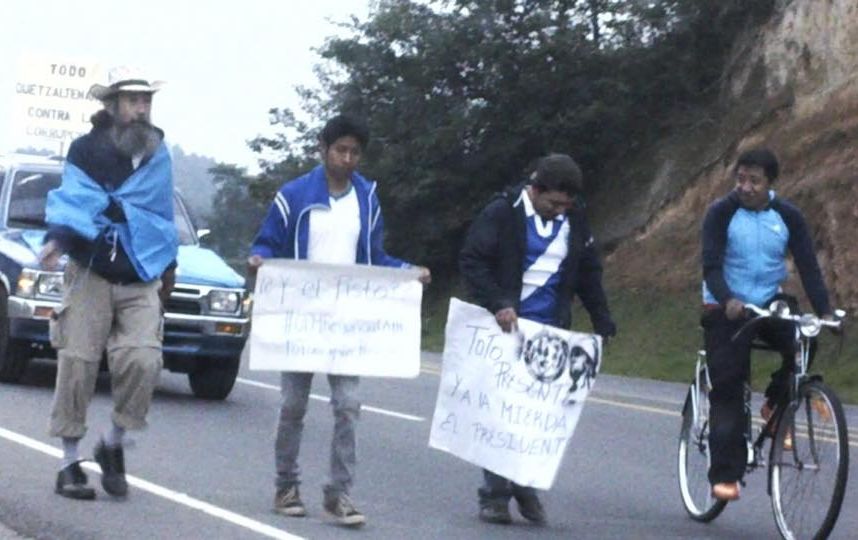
{"x": 809, "y": 463}
{"x": 693, "y": 459}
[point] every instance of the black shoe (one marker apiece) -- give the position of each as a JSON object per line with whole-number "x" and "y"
{"x": 71, "y": 483}
{"x": 341, "y": 508}
{"x": 112, "y": 462}
{"x": 287, "y": 501}
{"x": 530, "y": 508}
{"x": 495, "y": 511}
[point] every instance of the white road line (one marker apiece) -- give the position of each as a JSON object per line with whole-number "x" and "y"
{"x": 394, "y": 414}
{"x": 174, "y": 496}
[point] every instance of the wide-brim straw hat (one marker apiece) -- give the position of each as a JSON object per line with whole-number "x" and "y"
{"x": 124, "y": 79}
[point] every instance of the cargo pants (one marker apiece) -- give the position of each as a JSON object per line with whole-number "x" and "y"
{"x": 96, "y": 318}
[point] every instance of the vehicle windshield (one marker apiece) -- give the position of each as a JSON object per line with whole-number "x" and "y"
{"x": 27, "y": 198}
{"x": 184, "y": 227}
{"x": 29, "y": 194}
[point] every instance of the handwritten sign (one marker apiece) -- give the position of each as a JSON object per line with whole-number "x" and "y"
{"x": 509, "y": 402}
{"x": 52, "y": 99}
{"x": 347, "y": 320}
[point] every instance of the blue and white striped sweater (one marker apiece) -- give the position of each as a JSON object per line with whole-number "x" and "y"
{"x": 547, "y": 244}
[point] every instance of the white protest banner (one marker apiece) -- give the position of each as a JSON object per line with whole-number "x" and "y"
{"x": 52, "y": 99}
{"x": 347, "y": 320}
{"x": 509, "y": 402}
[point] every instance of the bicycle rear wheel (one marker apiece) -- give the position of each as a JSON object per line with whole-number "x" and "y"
{"x": 693, "y": 459}
{"x": 809, "y": 463}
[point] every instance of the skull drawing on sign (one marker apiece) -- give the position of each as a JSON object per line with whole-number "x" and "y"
{"x": 545, "y": 356}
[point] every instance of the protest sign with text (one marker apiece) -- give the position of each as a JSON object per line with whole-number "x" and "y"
{"x": 509, "y": 402}
{"x": 52, "y": 99}
{"x": 342, "y": 319}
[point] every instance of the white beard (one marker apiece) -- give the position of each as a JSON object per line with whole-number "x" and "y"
{"x": 136, "y": 138}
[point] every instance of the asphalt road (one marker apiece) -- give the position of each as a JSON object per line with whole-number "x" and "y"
{"x": 204, "y": 470}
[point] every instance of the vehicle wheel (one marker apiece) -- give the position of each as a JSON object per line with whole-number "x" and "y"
{"x": 693, "y": 458}
{"x": 214, "y": 380}
{"x": 14, "y": 358}
{"x": 809, "y": 463}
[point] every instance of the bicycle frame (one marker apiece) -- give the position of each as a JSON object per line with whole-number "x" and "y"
{"x": 790, "y": 451}
{"x": 701, "y": 363}
{"x": 805, "y": 329}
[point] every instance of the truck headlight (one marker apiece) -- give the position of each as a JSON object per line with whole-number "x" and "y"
{"x": 50, "y": 284}
{"x": 224, "y": 302}
{"x": 35, "y": 283}
{"x": 247, "y": 304}
{"x": 27, "y": 283}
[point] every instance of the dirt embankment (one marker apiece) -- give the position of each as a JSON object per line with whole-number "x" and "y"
{"x": 792, "y": 86}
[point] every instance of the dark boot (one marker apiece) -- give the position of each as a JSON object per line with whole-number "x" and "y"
{"x": 530, "y": 508}
{"x": 495, "y": 511}
{"x": 112, "y": 462}
{"x": 71, "y": 483}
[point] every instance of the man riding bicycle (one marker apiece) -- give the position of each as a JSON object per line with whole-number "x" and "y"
{"x": 746, "y": 236}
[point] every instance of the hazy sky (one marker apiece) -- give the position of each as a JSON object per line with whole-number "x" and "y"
{"x": 225, "y": 62}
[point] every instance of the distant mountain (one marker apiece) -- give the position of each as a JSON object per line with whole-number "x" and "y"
{"x": 193, "y": 180}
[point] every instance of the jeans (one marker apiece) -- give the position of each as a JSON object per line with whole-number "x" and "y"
{"x": 295, "y": 391}
{"x": 498, "y": 488}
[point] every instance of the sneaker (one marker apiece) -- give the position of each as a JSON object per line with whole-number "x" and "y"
{"x": 342, "y": 509}
{"x": 495, "y": 511}
{"x": 288, "y": 502}
{"x": 726, "y": 491}
{"x": 71, "y": 483}
{"x": 112, "y": 462}
{"x": 530, "y": 508}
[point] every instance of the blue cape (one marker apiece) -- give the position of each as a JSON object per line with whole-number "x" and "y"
{"x": 149, "y": 236}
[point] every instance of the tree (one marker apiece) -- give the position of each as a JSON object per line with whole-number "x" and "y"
{"x": 462, "y": 94}
{"x": 195, "y": 183}
{"x": 236, "y": 215}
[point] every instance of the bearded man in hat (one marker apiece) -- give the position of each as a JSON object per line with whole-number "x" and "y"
{"x": 113, "y": 216}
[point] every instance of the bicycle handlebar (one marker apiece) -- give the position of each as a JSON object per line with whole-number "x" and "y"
{"x": 836, "y": 323}
{"x": 809, "y": 324}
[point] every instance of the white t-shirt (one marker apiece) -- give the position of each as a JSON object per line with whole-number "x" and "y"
{"x": 334, "y": 233}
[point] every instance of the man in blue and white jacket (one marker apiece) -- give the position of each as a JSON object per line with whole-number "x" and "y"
{"x": 746, "y": 237}
{"x": 329, "y": 215}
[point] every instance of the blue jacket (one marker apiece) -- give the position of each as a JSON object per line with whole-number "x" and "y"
{"x": 285, "y": 230}
{"x": 744, "y": 253}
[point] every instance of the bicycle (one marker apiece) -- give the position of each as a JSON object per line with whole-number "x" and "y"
{"x": 808, "y": 461}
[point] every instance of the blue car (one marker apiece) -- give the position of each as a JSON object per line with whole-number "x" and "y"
{"x": 206, "y": 317}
